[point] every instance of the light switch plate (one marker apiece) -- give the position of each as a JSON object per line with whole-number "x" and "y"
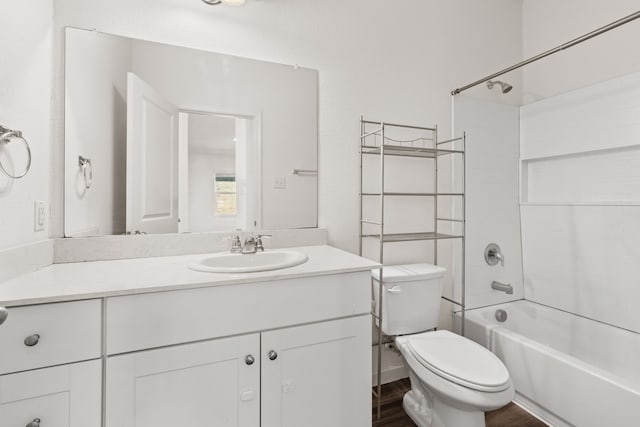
{"x": 39, "y": 215}
{"x": 280, "y": 182}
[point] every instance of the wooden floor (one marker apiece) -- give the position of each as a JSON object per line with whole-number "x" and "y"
{"x": 392, "y": 414}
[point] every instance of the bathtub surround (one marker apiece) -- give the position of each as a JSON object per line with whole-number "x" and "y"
{"x": 580, "y": 197}
{"x": 492, "y": 131}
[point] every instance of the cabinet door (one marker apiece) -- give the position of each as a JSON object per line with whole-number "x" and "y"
{"x": 207, "y": 383}
{"x": 318, "y": 375}
{"x": 62, "y": 396}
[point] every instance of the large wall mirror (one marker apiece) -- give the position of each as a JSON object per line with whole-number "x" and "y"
{"x": 164, "y": 139}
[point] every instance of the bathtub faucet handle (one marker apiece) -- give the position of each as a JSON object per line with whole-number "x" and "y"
{"x": 493, "y": 254}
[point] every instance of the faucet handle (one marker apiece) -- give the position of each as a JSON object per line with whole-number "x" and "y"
{"x": 259, "y": 246}
{"x": 236, "y": 244}
{"x": 493, "y": 254}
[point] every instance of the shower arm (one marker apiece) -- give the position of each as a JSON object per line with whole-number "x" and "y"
{"x": 563, "y": 46}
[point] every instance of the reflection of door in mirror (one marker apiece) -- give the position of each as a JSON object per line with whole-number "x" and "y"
{"x": 213, "y": 172}
{"x": 152, "y": 160}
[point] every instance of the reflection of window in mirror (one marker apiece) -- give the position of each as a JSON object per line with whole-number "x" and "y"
{"x": 225, "y": 194}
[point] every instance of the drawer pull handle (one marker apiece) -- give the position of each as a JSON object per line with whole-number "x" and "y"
{"x": 34, "y": 423}
{"x": 4, "y": 313}
{"x": 272, "y": 355}
{"x": 249, "y": 360}
{"x": 30, "y": 341}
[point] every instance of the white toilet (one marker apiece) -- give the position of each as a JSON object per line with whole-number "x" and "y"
{"x": 453, "y": 379}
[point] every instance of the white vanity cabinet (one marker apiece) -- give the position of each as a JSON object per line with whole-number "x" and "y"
{"x": 317, "y": 375}
{"x": 275, "y": 378}
{"x": 308, "y": 339}
{"x": 215, "y": 383}
{"x": 292, "y": 350}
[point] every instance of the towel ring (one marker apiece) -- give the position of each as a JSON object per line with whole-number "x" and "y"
{"x": 6, "y": 135}
{"x": 85, "y": 165}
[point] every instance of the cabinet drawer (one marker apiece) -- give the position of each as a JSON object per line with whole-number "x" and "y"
{"x": 50, "y": 334}
{"x": 62, "y": 396}
{"x": 138, "y": 322}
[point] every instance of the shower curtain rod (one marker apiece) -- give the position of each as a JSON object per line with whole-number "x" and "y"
{"x": 564, "y": 46}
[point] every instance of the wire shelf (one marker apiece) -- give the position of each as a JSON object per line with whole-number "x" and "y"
{"x": 404, "y": 151}
{"x": 409, "y": 194}
{"x": 421, "y": 142}
{"x": 410, "y": 237}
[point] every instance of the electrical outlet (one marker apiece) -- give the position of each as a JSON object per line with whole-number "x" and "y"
{"x": 39, "y": 215}
{"x": 280, "y": 182}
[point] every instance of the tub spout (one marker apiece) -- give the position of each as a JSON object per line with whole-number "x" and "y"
{"x": 504, "y": 287}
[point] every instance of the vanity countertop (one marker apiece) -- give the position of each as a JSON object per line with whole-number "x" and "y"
{"x": 96, "y": 279}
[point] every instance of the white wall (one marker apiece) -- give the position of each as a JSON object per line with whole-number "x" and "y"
{"x": 492, "y": 153}
{"x": 95, "y": 128}
{"x": 395, "y": 62}
{"x": 549, "y": 23}
{"x": 25, "y": 104}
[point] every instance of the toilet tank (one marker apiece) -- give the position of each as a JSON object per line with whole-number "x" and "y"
{"x": 411, "y": 296}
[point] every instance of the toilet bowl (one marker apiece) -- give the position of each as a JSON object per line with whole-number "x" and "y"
{"x": 453, "y": 379}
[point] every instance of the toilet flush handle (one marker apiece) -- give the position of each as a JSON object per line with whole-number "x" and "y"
{"x": 394, "y": 289}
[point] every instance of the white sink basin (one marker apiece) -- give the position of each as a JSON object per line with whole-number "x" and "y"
{"x": 239, "y": 263}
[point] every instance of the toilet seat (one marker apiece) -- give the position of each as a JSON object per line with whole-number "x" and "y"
{"x": 459, "y": 360}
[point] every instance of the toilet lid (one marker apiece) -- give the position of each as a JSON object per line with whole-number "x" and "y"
{"x": 460, "y": 360}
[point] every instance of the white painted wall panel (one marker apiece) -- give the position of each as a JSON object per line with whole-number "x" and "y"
{"x": 549, "y": 23}
{"x": 25, "y": 104}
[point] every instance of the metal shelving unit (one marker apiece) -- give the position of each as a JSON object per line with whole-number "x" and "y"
{"x": 428, "y": 148}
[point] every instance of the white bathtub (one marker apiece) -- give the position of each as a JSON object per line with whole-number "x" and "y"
{"x": 568, "y": 370}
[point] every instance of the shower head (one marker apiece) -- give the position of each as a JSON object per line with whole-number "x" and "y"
{"x": 506, "y": 87}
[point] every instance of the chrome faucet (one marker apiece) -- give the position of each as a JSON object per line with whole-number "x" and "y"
{"x": 251, "y": 245}
{"x": 504, "y": 287}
